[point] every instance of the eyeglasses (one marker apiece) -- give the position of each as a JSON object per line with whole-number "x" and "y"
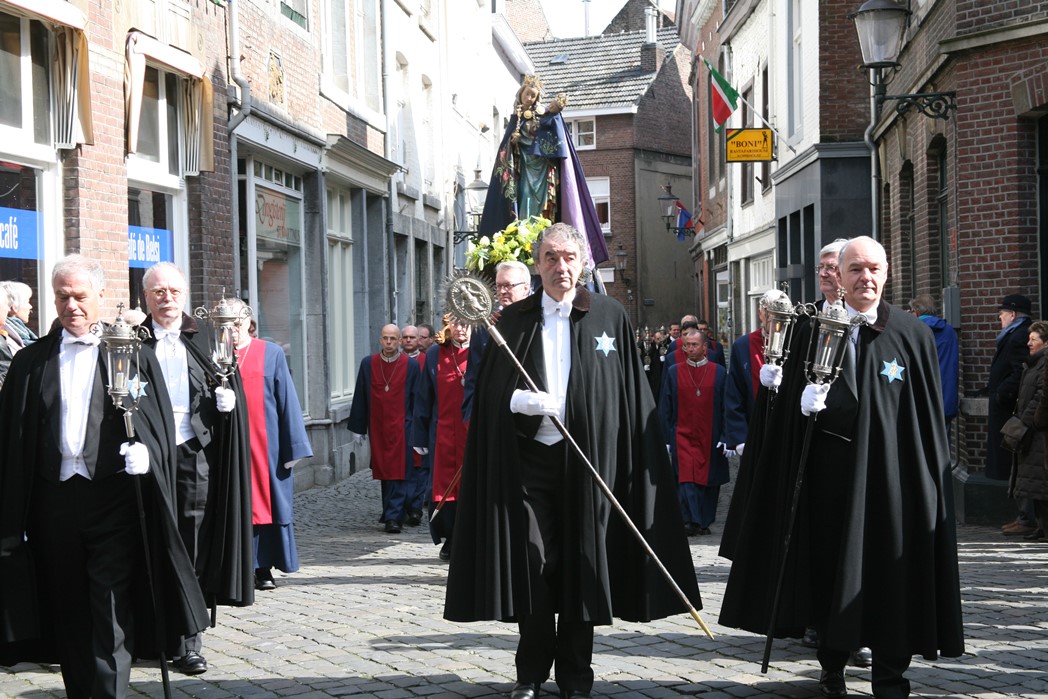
{"x": 507, "y": 287}
{"x": 161, "y": 292}
{"x": 828, "y": 269}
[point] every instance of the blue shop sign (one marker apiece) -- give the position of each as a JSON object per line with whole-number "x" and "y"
{"x": 18, "y": 233}
{"x": 147, "y": 246}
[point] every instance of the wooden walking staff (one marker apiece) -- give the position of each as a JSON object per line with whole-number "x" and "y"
{"x": 470, "y": 299}
{"x": 827, "y": 346}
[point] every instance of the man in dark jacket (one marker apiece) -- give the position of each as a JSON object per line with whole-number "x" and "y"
{"x": 212, "y": 480}
{"x": 945, "y": 347}
{"x": 1002, "y": 387}
{"x": 71, "y": 548}
{"x": 534, "y": 535}
{"x": 873, "y": 559}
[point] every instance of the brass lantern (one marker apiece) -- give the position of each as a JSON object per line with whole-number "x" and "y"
{"x": 826, "y": 347}
{"x": 781, "y": 317}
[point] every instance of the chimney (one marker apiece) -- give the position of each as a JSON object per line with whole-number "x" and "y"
{"x": 650, "y": 53}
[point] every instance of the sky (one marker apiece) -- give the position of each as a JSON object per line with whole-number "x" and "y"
{"x": 567, "y": 17}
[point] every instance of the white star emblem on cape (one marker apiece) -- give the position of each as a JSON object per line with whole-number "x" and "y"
{"x": 136, "y": 387}
{"x": 605, "y": 344}
{"x": 892, "y": 370}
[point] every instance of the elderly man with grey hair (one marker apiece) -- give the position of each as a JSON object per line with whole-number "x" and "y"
{"x": 533, "y": 542}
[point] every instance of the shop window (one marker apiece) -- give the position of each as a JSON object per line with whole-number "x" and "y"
{"x": 150, "y": 236}
{"x": 340, "y": 293}
{"x": 20, "y": 230}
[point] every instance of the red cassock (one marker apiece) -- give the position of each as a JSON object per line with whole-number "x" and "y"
{"x": 450, "y": 444}
{"x": 695, "y": 400}
{"x": 387, "y": 417}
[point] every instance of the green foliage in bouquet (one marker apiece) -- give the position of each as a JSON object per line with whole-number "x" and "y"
{"x": 512, "y": 243}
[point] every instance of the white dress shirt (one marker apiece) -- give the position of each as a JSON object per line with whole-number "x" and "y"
{"x": 175, "y": 365}
{"x": 77, "y": 362}
{"x": 556, "y": 351}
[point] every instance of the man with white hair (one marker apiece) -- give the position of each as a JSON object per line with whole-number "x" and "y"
{"x": 213, "y": 477}
{"x": 18, "y": 310}
{"x": 873, "y": 559}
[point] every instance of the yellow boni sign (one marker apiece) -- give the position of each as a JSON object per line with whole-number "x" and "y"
{"x": 749, "y": 145}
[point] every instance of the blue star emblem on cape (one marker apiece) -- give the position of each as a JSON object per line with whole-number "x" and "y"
{"x": 605, "y": 344}
{"x": 892, "y": 370}
{"x": 136, "y": 387}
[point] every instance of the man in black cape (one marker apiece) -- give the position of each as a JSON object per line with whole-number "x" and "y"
{"x": 873, "y": 559}
{"x": 535, "y": 536}
{"x": 213, "y": 476}
{"x": 72, "y": 568}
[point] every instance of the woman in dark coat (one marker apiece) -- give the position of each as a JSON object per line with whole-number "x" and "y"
{"x": 1029, "y": 479}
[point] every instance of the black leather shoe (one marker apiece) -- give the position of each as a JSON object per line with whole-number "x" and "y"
{"x": 831, "y": 683}
{"x": 524, "y": 690}
{"x": 810, "y": 638}
{"x": 863, "y": 657}
{"x": 192, "y": 663}
{"x": 264, "y": 579}
{"x": 414, "y": 518}
{"x": 392, "y": 526}
{"x": 691, "y": 529}
{"x": 445, "y": 552}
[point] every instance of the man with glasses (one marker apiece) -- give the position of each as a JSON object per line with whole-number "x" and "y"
{"x": 426, "y": 336}
{"x": 212, "y": 477}
{"x": 512, "y": 283}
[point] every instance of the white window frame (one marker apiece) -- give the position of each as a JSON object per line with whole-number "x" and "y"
{"x": 21, "y": 140}
{"x": 577, "y": 133}
{"x": 600, "y": 192}
{"x": 342, "y": 339}
{"x": 795, "y": 79}
{"x": 158, "y": 173}
{"x": 352, "y": 97}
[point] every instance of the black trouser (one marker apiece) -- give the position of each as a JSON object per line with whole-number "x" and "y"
{"x": 887, "y": 676}
{"x": 566, "y": 645}
{"x": 86, "y": 538}
{"x": 191, "y": 487}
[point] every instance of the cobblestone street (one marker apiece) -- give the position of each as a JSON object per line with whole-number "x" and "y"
{"x": 363, "y": 618}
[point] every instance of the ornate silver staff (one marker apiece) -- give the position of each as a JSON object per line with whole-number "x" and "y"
{"x": 225, "y": 319}
{"x": 471, "y": 300}
{"x": 827, "y": 347}
{"x": 122, "y": 342}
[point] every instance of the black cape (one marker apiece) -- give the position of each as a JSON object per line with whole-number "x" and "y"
{"x": 32, "y": 383}
{"x": 873, "y": 558}
{"x": 611, "y": 415}
{"x": 225, "y": 558}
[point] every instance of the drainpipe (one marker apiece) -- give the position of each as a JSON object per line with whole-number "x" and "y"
{"x": 233, "y": 22}
{"x": 391, "y": 251}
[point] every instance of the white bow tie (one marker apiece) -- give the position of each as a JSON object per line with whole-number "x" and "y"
{"x": 169, "y": 335}
{"x": 87, "y": 339}
{"x": 561, "y": 308}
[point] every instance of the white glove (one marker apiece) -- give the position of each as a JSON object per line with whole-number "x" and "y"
{"x": 291, "y": 464}
{"x": 534, "y": 403}
{"x": 359, "y": 438}
{"x": 814, "y": 398}
{"x": 421, "y": 451}
{"x": 739, "y": 448}
{"x": 771, "y": 376}
{"x": 669, "y": 450}
{"x": 726, "y": 451}
{"x": 136, "y": 458}
{"x": 225, "y": 399}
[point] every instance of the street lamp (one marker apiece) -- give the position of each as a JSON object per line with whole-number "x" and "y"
{"x": 621, "y": 258}
{"x": 881, "y": 26}
{"x": 476, "y": 194}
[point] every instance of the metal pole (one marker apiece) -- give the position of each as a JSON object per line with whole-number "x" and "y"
{"x": 877, "y": 92}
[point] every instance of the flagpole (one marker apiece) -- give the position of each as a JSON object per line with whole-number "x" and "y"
{"x": 765, "y": 122}
{"x": 738, "y": 96}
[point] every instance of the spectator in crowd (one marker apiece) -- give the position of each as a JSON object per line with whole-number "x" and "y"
{"x": 1029, "y": 479}
{"x": 1002, "y": 388}
{"x": 946, "y": 347}
{"x": 19, "y": 297}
